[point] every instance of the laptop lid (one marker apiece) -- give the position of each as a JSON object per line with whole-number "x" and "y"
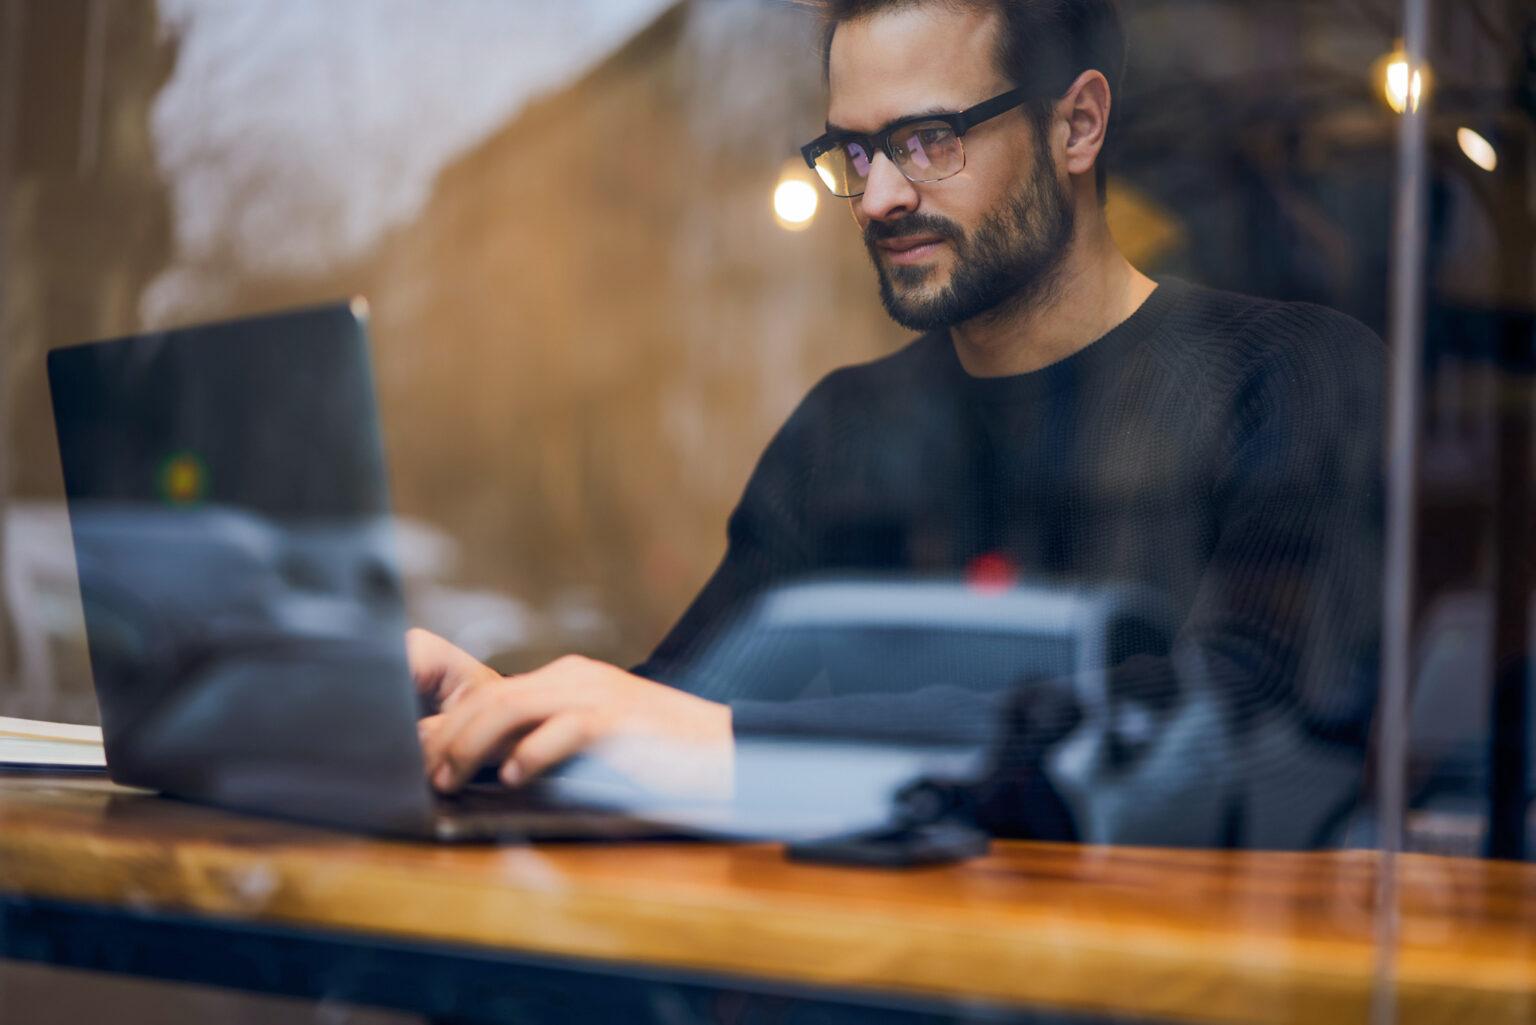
{"x": 229, "y": 506}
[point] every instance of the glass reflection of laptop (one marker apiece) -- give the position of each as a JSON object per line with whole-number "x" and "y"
{"x": 228, "y": 502}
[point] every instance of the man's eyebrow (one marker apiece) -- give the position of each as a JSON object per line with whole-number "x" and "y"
{"x": 833, "y": 129}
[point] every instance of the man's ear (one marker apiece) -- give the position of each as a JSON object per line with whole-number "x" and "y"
{"x": 1085, "y": 109}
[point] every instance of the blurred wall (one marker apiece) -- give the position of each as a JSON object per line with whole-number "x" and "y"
{"x": 595, "y": 323}
{"x": 84, "y": 228}
{"x": 583, "y": 337}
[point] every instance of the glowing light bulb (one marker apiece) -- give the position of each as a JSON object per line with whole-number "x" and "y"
{"x": 794, "y": 203}
{"x": 1478, "y": 149}
{"x": 1400, "y": 96}
{"x": 1403, "y": 88}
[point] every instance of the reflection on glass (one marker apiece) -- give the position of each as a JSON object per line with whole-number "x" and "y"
{"x": 1123, "y": 592}
{"x": 1478, "y": 149}
{"x": 1402, "y": 90}
{"x": 236, "y": 567}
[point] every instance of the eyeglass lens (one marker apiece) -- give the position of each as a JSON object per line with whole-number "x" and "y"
{"x": 924, "y": 152}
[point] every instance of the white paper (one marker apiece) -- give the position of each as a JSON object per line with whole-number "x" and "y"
{"x": 31, "y": 743}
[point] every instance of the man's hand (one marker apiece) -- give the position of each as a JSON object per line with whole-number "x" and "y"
{"x": 441, "y": 668}
{"x": 660, "y": 737}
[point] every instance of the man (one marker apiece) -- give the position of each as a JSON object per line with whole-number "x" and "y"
{"x": 1063, "y": 417}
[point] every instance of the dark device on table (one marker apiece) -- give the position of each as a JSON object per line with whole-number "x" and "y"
{"x": 227, "y": 498}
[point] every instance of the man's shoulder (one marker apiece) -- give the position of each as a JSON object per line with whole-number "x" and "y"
{"x": 872, "y": 396}
{"x": 1248, "y": 360}
{"x": 1207, "y": 316}
{"x": 913, "y": 365}
{"x": 1234, "y": 336}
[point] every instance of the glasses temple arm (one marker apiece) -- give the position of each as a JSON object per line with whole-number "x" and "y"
{"x": 988, "y": 109}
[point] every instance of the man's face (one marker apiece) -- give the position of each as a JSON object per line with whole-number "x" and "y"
{"x": 990, "y": 236}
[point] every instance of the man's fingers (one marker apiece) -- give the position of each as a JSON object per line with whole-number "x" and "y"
{"x": 457, "y": 693}
{"x": 482, "y": 727}
{"x": 438, "y": 737}
{"x": 439, "y": 667}
{"x": 527, "y": 724}
{"x": 551, "y": 742}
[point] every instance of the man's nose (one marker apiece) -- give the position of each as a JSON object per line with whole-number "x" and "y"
{"x": 887, "y": 193}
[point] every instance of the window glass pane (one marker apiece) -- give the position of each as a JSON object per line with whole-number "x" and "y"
{"x": 1032, "y": 523}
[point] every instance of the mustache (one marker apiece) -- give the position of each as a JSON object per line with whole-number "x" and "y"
{"x": 911, "y": 226}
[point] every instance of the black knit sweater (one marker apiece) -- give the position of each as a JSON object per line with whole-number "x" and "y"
{"x": 1218, "y": 449}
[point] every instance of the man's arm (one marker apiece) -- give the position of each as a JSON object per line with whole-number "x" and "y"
{"x": 656, "y": 732}
{"x": 765, "y": 544}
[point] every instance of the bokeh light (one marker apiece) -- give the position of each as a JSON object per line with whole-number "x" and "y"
{"x": 794, "y": 203}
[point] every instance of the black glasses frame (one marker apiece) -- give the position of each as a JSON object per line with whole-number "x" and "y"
{"x": 880, "y": 142}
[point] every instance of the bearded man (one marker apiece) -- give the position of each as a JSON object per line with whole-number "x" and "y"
{"x": 1061, "y": 416}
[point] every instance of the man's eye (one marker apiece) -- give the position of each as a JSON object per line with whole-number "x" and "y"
{"x": 859, "y": 158}
{"x": 914, "y": 150}
{"x": 935, "y": 136}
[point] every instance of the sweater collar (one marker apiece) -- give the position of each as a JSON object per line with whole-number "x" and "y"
{"x": 1099, "y": 355}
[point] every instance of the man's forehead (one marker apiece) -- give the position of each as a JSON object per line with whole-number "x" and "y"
{"x": 911, "y": 59}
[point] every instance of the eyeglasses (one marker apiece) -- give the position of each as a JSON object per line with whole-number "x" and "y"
{"x": 924, "y": 149}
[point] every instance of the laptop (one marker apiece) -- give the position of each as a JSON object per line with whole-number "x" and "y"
{"x": 228, "y": 502}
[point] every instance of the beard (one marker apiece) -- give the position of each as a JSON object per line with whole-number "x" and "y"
{"x": 1010, "y": 261}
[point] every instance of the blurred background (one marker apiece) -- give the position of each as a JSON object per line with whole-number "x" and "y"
{"x": 599, "y": 280}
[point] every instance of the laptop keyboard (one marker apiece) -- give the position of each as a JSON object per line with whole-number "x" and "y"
{"x": 490, "y": 798}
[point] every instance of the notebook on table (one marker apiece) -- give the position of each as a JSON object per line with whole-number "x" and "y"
{"x": 34, "y": 744}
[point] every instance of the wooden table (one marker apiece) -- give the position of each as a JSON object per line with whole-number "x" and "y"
{"x": 96, "y": 876}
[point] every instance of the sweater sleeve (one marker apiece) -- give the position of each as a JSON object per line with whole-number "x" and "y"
{"x": 1287, "y": 614}
{"x": 765, "y": 544}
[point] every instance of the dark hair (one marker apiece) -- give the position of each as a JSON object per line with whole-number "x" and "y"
{"x": 1043, "y": 42}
